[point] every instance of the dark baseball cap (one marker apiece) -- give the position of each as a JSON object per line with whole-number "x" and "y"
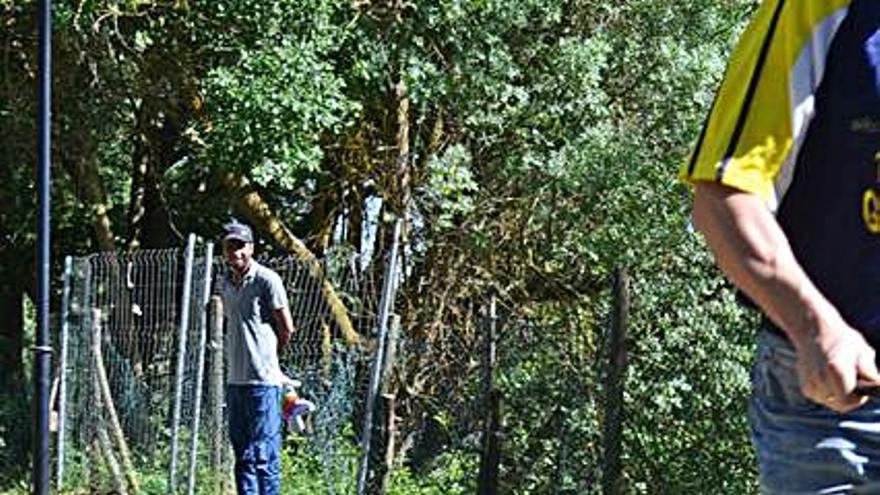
{"x": 238, "y": 231}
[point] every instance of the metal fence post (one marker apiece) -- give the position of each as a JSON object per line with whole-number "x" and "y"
{"x": 387, "y": 301}
{"x": 200, "y": 367}
{"x": 388, "y": 403}
{"x": 181, "y": 359}
{"x": 90, "y": 421}
{"x": 490, "y": 455}
{"x": 62, "y": 372}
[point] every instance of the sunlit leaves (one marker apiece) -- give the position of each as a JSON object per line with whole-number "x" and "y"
{"x": 272, "y": 106}
{"x": 449, "y": 190}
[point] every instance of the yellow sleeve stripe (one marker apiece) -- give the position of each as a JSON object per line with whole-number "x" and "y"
{"x": 748, "y": 136}
{"x": 711, "y": 156}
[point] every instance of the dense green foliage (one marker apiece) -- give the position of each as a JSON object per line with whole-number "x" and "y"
{"x": 533, "y": 143}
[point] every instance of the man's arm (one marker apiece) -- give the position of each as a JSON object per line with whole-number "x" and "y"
{"x": 752, "y": 250}
{"x": 285, "y": 326}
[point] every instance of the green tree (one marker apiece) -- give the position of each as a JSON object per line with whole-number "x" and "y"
{"x": 531, "y": 143}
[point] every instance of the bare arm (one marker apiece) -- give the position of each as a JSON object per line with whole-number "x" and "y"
{"x": 752, "y": 250}
{"x": 285, "y": 326}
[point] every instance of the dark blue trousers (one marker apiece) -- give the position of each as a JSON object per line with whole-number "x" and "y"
{"x": 255, "y": 432}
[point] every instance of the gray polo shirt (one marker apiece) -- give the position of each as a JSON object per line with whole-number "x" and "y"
{"x": 251, "y": 338}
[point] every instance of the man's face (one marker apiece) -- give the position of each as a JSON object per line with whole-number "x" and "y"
{"x": 238, "y": 254}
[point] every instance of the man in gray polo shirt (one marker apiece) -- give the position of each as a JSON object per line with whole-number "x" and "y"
{"x": 258, "y": 325}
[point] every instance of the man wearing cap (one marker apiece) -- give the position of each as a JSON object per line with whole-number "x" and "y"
{"x": 259, "y": 324}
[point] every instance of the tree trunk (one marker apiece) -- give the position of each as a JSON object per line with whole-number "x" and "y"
{"x": 157, "y": 229}
{"x": 403, "y": 169}
{"x": 321, "y": 222}
{"x": 148, "y": 218}
{"x": 136, "y": 208}
{"x": 90, "y": 191}
{"x": 355, "y": 217}
{"x": 11, "y": 332}
{"x": 435, "y": 142}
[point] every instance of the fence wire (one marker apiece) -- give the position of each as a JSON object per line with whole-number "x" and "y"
{"x": 127, "y": 309}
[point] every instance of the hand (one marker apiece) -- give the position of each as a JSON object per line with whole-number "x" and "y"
{"x": 832, "y": 361}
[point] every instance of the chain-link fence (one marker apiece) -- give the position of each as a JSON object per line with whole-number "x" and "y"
{"x": 139, "y": 401}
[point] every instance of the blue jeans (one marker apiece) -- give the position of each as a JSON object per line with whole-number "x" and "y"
{"x": 255, "y": 432}
{"x": 803, "y": 447}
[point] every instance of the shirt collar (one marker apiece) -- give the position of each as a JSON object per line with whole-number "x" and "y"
{"x": 248, "y": 275}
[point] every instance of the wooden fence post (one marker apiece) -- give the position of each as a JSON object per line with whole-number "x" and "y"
{"x": 215, "y": 387}
{"x": 104, "y": 399}
{"x": 612, "y": 472}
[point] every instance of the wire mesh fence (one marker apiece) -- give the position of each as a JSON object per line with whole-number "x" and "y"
{"x": 142, "y": 394}
{"x": 123, "y": 320}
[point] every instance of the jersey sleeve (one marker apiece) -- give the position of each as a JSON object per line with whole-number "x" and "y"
{"x": 765, "y": 103}
{"x": 277, "y": 292}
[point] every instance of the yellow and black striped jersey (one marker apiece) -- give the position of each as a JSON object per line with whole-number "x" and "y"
{"x": 797, "y": 122}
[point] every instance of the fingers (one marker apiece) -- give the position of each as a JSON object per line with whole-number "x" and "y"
{"x": 868, "y": 383}
{"x": 831, "y": 389}
{"x": 838, "y": 387}
{"x": 833, "y": 364}
{"x": 844, "y": 403}
{"x": 866, "y": 367}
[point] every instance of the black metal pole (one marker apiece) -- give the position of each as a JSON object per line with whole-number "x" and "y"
{"x": 42, "y": 349}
